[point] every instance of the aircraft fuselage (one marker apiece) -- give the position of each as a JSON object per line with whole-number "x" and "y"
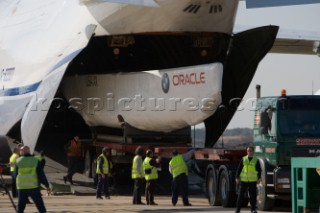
{"x": 44, "y": 42}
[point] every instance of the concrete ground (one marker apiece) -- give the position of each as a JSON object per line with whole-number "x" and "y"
{"x": 81, "y": 198}
{"x": 88, "y": 204}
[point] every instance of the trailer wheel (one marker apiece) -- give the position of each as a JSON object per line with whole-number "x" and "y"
{"x": 212, "y": 188}
{"x": 264, "y": 203}
{"x": 88, "y": 164}
{"x": 227, "y": 196}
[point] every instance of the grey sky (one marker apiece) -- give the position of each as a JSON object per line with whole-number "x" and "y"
{"x": 298, "y": 74}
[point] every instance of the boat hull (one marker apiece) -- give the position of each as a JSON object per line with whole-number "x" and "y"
{"x": 174, "y": 98}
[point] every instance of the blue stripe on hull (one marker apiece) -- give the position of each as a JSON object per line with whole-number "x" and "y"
{"x": 19, "y": 90}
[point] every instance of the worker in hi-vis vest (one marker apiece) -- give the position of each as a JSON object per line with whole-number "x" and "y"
{"x": 247, "y": 177}
{"x": 179, "y": 170}
{"x": 15, "y": 155}
{"x": 29, "y": 176}
{"x": 137, "y": 174}
{"x": 151, "y": 167}
{"x": 104, "y": 166}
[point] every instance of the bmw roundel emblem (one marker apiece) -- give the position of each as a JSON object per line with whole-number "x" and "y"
{"x": 165, "y": 83}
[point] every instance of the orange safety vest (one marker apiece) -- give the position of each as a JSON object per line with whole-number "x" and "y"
{"x": 74, "y": 149}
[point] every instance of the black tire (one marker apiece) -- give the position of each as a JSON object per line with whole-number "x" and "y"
{"x": 212, "y": 188}
{"x": 227, "y": 195}
{"x": 264, "y": 203}
{"x": 88, "y": 164}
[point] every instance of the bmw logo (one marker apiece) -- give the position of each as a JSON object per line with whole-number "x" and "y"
{"x": 165, "y": 83}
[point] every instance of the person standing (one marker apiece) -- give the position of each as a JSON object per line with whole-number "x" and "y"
{"x": 29, "y": 175}
{"x": 150, "y": 166}
{"x": 74, "y": 153}
{"x": 104, "y": 166}
{"x": 179, "y": 170}
{"x": 123, "y": 125}
{"x": 247, "y": 177}
{"x": 137, "y": 174}
{"x": 15, "y": 155}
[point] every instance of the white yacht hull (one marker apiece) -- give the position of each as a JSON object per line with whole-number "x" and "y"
{"x": 163, "y": 100}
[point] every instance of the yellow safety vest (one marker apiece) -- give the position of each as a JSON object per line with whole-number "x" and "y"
{"x": 178, "y": 166}
{"x": 12, "y": 160}
{"x": 154, "y": 172}
{"x": 134, "y": 172}
{"x": 105, "y": 166}
{"x": 249, "y": 172}
{"x": 27, "y": 177}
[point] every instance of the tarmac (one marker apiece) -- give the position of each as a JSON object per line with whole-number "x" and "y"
{"x": 88, "y": 204}
{"x": 68, "y": 203}
{"x": 81, "y": 199}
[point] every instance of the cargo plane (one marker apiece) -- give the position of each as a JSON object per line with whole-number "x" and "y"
{"x": 159, "y": 66}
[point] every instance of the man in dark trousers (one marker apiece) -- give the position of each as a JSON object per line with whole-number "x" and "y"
{"x": 248, "y": 176}
{"x": 74, "y": 153}
{"x": 29, "y": 176}
{"x": 137, "y": 174}
{"x": 150, "y": 166}
{"x": 179, "y": 170}
{"x": 104, "y": 166}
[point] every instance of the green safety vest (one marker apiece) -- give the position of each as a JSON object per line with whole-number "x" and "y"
{"x": 27, "y": 177}
{"x": 134, "y": 172}
{"x": 154, "y": 172}
{"x": 105, "y": 166}
{"x": 12, "y": 160}
{"x": 249, "y": 172}
{"x": 178, "y": 166}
